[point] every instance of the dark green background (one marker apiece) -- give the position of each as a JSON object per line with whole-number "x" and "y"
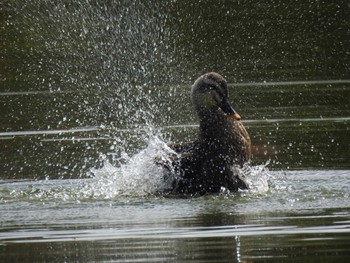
{"x": 115, "y": 65}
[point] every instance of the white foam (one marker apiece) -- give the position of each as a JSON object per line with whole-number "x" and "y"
{"x": 140, "y": 175}
{"x": 257, "y": 178}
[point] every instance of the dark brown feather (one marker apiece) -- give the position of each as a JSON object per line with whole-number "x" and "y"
{"x": 205, "y": 166}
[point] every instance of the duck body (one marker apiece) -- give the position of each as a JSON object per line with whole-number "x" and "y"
{"x": 206, "y": 165}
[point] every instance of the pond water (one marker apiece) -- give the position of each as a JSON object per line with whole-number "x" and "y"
{"x": 92, "y": 91}
{"x": 302, "y": 215}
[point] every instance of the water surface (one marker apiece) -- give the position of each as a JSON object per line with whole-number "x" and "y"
{"x": 303, "y": 215}
{"x": 92, "y": 91}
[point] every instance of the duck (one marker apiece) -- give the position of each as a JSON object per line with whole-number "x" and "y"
{"x": 206, "y": 165}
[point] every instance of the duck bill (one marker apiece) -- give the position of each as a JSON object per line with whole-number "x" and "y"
{"x": 235, "y": 116}
{"x": 227, "y": 108}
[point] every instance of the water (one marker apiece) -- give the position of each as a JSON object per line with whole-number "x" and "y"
{"x": 120, "y": 214}
{"x": 92, "y": 92}
{"x": 303, "y": 215}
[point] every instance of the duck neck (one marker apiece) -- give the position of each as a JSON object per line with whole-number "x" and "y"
{"x": 214, "y": 124}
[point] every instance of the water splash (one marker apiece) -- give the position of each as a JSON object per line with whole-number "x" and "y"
{"x": 139, "y": 176}
{"x": 109, "y": 57}
{"x": 258, "y": 178}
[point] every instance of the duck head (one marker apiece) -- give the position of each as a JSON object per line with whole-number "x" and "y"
{"x": 210, "y": 94}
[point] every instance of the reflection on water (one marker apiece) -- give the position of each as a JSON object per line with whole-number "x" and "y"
{"x": 86, "y": 85}
{"x": 302, "y": 216}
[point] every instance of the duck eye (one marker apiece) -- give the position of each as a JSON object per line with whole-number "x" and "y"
{"x": 211, "y": 87}
{"x": 217, "y": 91}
